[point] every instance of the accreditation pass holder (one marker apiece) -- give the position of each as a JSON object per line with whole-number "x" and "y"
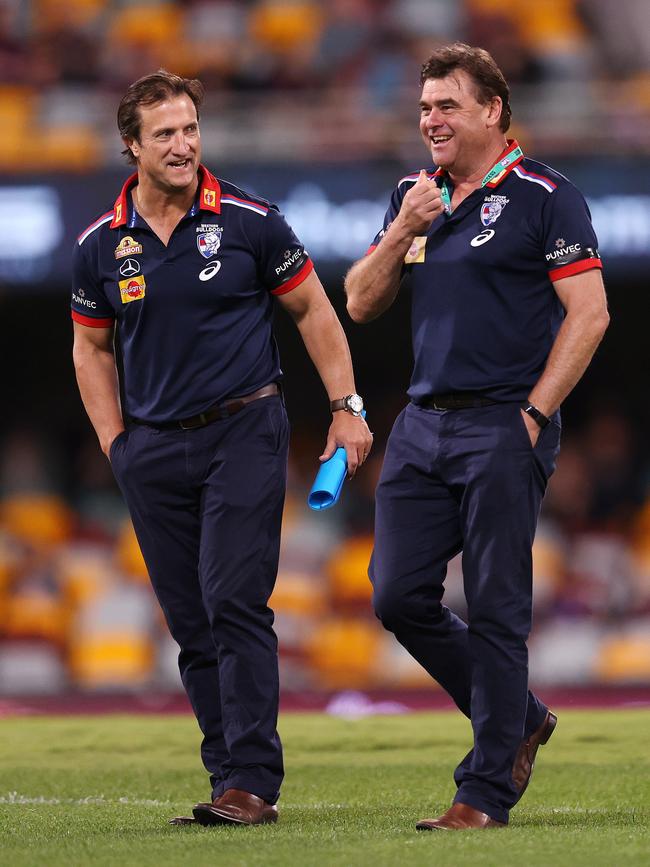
{"x": 328, "y": 483}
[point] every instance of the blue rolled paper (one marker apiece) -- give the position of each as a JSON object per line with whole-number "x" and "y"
{"x": 329, "y": 480}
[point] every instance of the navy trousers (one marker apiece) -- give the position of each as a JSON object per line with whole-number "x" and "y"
{"x": 466, "y": 480}
{"x": 206, "y": 505}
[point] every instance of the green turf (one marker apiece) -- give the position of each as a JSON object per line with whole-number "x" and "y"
{"x": 98, "y": 791}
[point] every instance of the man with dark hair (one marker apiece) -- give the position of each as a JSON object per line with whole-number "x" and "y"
{"x": 508, "y": 307}
{"x": 184, "y": 268}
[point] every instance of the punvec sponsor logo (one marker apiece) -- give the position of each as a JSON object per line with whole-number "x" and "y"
{"x": 289, "y": 259}
{"x": 561, "y": 252}
{"x": 79, "y": 297}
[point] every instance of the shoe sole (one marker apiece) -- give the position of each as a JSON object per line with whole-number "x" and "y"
{"x": 205, "y": 816}
{"x": 423, "y": 826}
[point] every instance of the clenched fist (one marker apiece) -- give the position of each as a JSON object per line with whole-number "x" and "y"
{"x": 421, "y": 205}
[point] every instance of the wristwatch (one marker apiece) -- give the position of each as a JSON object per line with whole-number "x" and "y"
{"x": 353, "y": 404}
{"x": 541, "y": 419}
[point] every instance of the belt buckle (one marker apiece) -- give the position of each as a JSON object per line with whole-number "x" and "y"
{"x": 201, "y": 423}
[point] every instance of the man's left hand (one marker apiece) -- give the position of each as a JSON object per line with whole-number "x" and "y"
{"x": 352, "y": 433}
{"x": 532, "y": 427}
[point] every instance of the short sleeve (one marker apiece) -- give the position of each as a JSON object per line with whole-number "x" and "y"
{"x": 570, "y": 243}
{"x": 89, "y": 304}
{"x": 284, "y": 261}
{"x": 389, "y": 216}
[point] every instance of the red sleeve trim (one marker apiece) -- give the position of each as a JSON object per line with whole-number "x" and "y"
{"x": 90, "y": 322}
{"x": 574, "y": 268}
{"x": 296, "y": 280}
{"x": 371, "y": 248}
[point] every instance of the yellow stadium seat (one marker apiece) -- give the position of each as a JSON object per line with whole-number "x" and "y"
{"x": 285, "y": 24}
{"x": 128, "y": 555}
{"x": 160, "y": 25}
{"x": 35, "y": 614}
{"x": 625, "y": 658}
{"x": 111, "y": 659}
{"x": 40, "y": 519}
{"x": 348, "y": 572}
{"x": 342, "y": 653}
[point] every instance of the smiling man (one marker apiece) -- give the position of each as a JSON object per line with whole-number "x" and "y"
{"x": 184, "y": 270}
{"x": 508, "y": 307}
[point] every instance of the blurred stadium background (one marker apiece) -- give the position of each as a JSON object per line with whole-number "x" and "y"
{"x": 312, "y": 104}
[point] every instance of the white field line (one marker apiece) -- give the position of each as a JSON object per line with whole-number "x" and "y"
{"x": 16, "y": 798}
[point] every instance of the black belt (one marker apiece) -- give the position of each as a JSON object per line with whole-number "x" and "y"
{"x": 457, "y": 400}
{"x": 219, "y": 411}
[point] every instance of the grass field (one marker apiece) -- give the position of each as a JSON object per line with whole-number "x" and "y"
{"x": 83, "y": 791}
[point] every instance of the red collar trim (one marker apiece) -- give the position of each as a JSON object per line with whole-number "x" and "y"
{"x": 209, "y": 196}
{"x": 121, "y": 206}
{"x": 512, "y": 145}
{"x": 210, "y": 193}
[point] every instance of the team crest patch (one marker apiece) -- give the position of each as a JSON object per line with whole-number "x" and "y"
{"x": 209, "y": 242}
{"x": 132, "y": 289}
{"x": 491, "y": 209}
{"x": 127, "y": 247}
{"x": 416, "y": 250}
{"x": 210, "y": 198}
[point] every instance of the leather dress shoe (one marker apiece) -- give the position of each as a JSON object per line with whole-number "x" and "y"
{"x": 459, "y": 817}
{"x": 183, "y": 820}
{"x": 525, "y": 758}
{"x": 236, "y": 807}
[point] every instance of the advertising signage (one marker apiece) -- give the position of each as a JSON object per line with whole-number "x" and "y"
{"x": 335, "y": 210}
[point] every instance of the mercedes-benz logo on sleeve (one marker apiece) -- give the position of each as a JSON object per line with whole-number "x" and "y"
{"x": 129, "y": 267}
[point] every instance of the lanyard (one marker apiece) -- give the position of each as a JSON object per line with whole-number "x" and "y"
{"x": 496, "y": 169}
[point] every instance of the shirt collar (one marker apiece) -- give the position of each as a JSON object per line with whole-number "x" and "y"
{"x": 208, "y": 199}
{"x": 512, "y": 145}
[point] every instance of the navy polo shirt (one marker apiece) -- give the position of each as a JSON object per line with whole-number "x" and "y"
{"x": 193, "y": 317}
{"x": 484, "y": 311}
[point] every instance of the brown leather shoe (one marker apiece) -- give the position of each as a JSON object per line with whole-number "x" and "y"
{"x": 183, "y": 820}
{"x": 236, "y": 807}
{"x": 459, "y": 817}
{"x": 525, "y": 758}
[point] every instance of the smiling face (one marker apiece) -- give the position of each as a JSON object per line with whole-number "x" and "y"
{"x": 168, "y": 152}
{"x": 459, "y": 131}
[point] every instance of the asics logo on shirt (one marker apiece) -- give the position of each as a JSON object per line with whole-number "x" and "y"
{"x": 209, "y": 272}
{"x": 483, "y": 237}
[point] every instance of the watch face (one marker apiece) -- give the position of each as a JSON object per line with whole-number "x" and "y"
{"x": 355, "y": 403}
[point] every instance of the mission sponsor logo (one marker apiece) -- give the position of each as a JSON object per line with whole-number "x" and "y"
{"x": 79, "y": 297}
{"x": 209, "y": 242}
{"x": 132, "y": 289}
{"x": 289, "y": 259}
{"x": 127, "y": 247}
{"x": 492, "y": 208}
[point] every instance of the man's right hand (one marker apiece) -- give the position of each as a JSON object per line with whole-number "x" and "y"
{"x": 421, "y": 205}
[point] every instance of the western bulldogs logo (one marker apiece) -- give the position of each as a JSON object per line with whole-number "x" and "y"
{"x": 491, "y": 209}
{"x": 209, "y": 242}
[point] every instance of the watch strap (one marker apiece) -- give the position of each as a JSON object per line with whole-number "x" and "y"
{"x": 337, "y": 404}
{"x": 531, "y": 410}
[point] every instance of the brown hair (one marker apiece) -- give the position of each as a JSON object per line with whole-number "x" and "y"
{"x": 480, "y": 66}
{"x": 149, "y": 90}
